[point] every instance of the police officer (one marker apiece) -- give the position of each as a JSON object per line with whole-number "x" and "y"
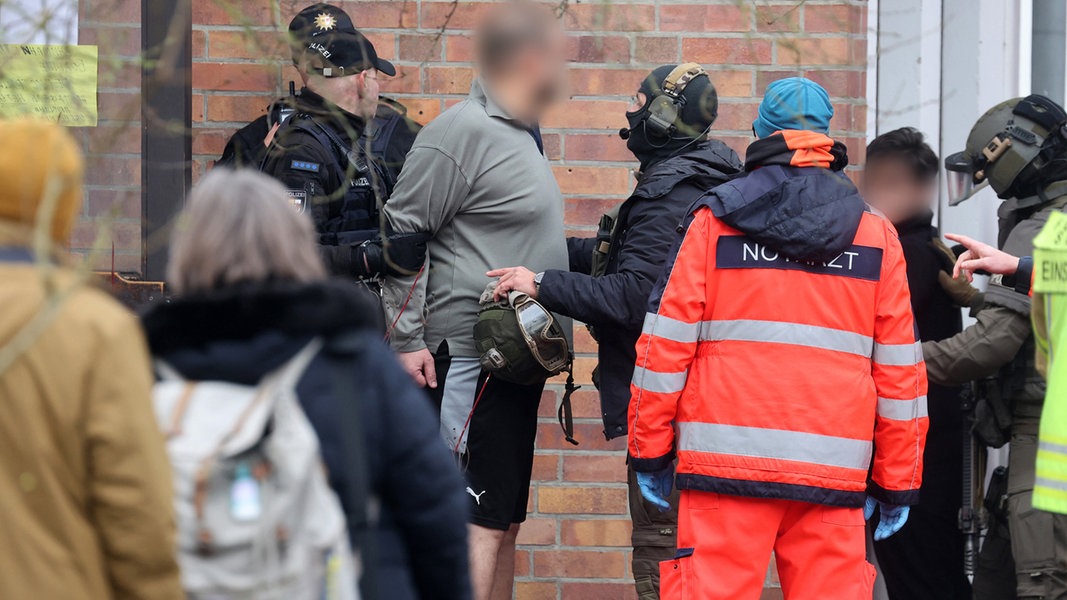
{"x": 1019, "y": 148}
{"x": 611, "y": 275}
{"x": 322, "y": 155}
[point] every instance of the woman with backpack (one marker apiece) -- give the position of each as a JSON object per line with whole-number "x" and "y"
{"x": 253, "y": 309}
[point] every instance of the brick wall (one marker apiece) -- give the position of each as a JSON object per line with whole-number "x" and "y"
{"x": 574, "y": 545}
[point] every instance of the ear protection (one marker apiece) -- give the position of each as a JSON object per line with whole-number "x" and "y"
{"x": 665, "y": 108}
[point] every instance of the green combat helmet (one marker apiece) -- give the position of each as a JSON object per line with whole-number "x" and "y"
{"x": 1013, "y": 147}
{"x": 520, "y": 341}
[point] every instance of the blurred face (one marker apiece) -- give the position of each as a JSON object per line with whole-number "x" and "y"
{"x": 544, "y": 68}
{"x": 890, "y": 186}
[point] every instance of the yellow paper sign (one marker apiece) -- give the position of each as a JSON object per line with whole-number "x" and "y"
{"x": 56, "y": 82}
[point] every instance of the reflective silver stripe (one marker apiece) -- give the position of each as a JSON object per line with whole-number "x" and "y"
{"x": 663, "y": 383}
{"x": 1051, "y": 447}
{"x": 671, "y": 329}
{"x": 1051, "y": 483}
{"x": 898, "y": 355}
{"x": 902, "y": 410}
{"x": 756, "y": 442}
{"x": 796, "y": 334}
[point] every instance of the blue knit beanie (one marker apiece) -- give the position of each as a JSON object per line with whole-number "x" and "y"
{"x": 794, "y": 103}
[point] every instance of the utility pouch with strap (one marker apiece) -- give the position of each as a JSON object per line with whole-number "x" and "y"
{"x": 256, "y": 517}
{"x": 993, "y": 411}
{"x": 606, "y": 238}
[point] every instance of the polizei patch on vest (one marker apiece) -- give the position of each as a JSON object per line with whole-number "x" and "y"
{"x": 740, "y": 252}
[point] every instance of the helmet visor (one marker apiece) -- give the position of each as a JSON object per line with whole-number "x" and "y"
{"x": 959, "y": 171}
{"x": 548, "y": 346}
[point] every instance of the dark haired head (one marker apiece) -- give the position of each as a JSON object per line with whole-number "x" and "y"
{"x": 907, "y": 145}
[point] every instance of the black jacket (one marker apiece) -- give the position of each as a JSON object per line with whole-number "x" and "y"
{"x": 616, "y": 303}
{"x": 937, "y": 317}
{"x": 241, "y": 334}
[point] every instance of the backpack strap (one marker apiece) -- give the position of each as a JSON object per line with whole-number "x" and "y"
{"x": 166, "y": 372}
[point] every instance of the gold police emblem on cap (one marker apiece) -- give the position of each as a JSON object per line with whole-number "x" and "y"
{"x": 325, "y": 21}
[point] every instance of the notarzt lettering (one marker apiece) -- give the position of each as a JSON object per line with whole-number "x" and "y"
{"x": 740, "y": 252}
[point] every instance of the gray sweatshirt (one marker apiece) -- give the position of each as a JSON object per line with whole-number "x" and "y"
{"x": 477, "y": 182}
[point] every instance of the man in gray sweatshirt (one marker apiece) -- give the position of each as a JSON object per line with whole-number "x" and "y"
{"x": 478, "y": 182}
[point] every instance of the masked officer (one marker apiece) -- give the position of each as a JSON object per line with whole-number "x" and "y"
{"x": 779, "y": 363}
{"x": 321, "y": 153}
{"x": 1019, "y": 148}
{"x": 611, "y": 275}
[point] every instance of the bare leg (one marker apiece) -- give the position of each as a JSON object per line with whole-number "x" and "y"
{"x": 484, "y": 550}
{"x": 504, "y": 578}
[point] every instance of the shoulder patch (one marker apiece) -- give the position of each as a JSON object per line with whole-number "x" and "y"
{"x": 304, "y": 165}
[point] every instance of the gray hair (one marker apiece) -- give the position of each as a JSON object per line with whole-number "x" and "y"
{"x": 240, "y": 227}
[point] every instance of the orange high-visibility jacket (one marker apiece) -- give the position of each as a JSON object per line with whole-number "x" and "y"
{"x": 781, "y": 377}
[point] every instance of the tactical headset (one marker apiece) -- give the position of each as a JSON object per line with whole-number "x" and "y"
{"x": 664, "y": 110}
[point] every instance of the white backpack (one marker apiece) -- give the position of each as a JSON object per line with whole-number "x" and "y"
{"x": 256, "y": 517}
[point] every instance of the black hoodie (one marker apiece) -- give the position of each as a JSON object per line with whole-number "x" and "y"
{"x": 616, "y": 303}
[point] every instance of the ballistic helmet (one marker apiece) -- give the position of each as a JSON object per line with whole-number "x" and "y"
{"x": 520, "y": 341}
{"x": 1015, "y": 147}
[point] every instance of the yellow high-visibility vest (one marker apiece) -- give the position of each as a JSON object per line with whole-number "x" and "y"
{"x": 1050, "y": 315}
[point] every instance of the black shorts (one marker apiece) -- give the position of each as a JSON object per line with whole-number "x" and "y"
{"x": 498, "y": 457}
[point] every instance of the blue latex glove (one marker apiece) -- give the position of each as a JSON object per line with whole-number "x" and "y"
{"x": 891, "y": 519}
{"x": 656, "y": 487}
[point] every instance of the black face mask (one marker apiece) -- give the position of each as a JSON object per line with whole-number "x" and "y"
{"x": 648, "y": 148}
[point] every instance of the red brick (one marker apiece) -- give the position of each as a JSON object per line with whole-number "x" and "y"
{"x": 778, "y": 18}
{"x": 765, "y": 77}
{"x": 198, "y": 107}
{"x": 126, "y": 235}
{"x": 577, "y": 563}
{"x": 840, "y": 83}
{"x": 118, "y": 106}
{"x": 589, "y": 434}
{"x": 596, "y": 532}
{"x": 452, "y": 15}
{"x": 210, "y": 141}
{"x": 705, "y": 17}
{"x": 606, "y": 16}
{"x": 420, "y": 47}
{"x": 657, "y": 50}
{"x": 545, "y": 466}
{"x": 586, "y": 212}
{"x": 585, "y": 402}
{"x": 727, "y": 51}
{"x": 834, "y": 18}
{"x": 593, "y": 180}
{"x": 235, "y": 77}
{"x": 459, "y": 48}
{"x": 116, "y": 11}
{"x": 736, "y": 117}
{"x": 114, "y": 42}
{"x": 587, "y": 114}
{"x": 537, "y": 532}
{"x": 408, "y": 80}
{"x": 535, "y": 590}
{"x": 254, "y": 45}
{"x": 815, "y": 51}
{"x": 237, "y": 109}
{"x": 732, "y": 84}
{"x": 124, "y": 138}
{"x": 606, "y": 468}
{"x": 553, "y": 143}
{"x": 422, "y": 110}
{"x": 606, "y": 147}
{"x": 112, "y": 170}
{"x": 599, "y": 49}
{"x": 112, "y": 204}
{"x": 121, "y": 74}
{"x": 449, "y": 80}
{"x": 597, "y": 81}
{"x": 228, "y": 12}
{"x": 522, "y": 563}
{"x": 583, "y": 341}
{"x": 599, "y": 591}
{"x": 582, "y": 500}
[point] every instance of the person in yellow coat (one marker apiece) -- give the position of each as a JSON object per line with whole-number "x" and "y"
{"x": 1047, "y": 270}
